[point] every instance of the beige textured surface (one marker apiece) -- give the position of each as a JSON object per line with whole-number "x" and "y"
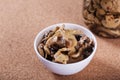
{"x": 21, "y": 20}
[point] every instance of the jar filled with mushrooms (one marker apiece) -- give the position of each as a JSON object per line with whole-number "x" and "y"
{"x": 103, "y": 17}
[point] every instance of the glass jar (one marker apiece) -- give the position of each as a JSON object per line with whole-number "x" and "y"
{"x": 103, "y": 17}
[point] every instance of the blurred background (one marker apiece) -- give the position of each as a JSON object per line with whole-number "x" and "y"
{"x": 21, "y": 20}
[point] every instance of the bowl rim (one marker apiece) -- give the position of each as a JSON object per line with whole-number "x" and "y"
{"x": 54, "y": 25}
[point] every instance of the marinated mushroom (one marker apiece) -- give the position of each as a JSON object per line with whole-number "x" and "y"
{"x": 106, "y": 5}
{"x": 61, "y": 57}
{"x": 111, "y": 22}
{"x": 41, "y": 49}
{"x": 62, "y": 44}
{"x": 77, "y": 54}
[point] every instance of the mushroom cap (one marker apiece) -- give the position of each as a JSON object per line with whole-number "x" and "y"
{"x": 111, "y": 22}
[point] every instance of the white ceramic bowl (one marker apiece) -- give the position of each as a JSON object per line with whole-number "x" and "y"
{"x": 65, "y": 69}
